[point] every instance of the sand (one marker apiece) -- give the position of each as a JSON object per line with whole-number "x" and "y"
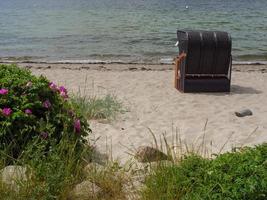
{"x": 152, "y": 103}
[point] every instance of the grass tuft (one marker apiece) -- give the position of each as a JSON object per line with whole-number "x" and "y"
{"x": 113, "y": 180}
{"x": 107, "y": 107}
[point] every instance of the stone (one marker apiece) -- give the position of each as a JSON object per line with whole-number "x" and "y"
{"x": 149, "y": 154}
{"x": 85, "y": 190}
{"x": 243, "y": 113}
{"x": 12, "y": 175}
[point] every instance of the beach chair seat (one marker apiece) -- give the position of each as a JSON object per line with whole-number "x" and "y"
{"x": 204, "y": 62}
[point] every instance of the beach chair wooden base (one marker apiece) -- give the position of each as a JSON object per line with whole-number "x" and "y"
{"x": 196, "y": 83}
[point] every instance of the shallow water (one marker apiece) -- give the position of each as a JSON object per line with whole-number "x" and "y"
{"x": 125, "y": 30}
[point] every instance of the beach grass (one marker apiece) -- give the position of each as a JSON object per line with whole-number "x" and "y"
{"x": 98, "y": 108}
{"x": 240, "y": 174}
{"x": 55, "y": 175}
{"x": 51, "y": 174}
{"x": 114, "y": 180}
{"x": 232, "y": 175}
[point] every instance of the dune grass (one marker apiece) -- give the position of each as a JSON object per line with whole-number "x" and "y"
{"x": 194, "y": 172}
{"x": 93, "y": 107}
{"x": 51, "y": 173}
{"x": 54, "y": 175}
{"x": 96, "y": 106}
{"x": 233, "y": 175}
{"x": 114, "y": 180}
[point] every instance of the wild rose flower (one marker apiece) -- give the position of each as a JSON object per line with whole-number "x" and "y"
{"x": 28, "y": 111}
{"x": 29, "y": 84}
{"x": 77, "y": 126}
{"x": 63, "y": 92}
{"x": 46, "y": 104}
{"x": 6, "y": 111}
{"x": 62, "y": 89}
{"x": 3, "y": 91}
{"x": 44, "y": 135}
{"x": 64, "y": 95}
{"x": 53, "y": 86}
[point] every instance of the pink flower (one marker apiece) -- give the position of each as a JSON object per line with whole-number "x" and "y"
{"x": 64, "y": 95}
{"x": 29, "y": 84}
{"x": 62, "y": 89}
{"x": 28, "y": 111}
{"x": 53, "y": 86}
{"x": 6, "y": 111}
{"x": 44, "y": 135}
{"x": 3, "y": 91}
{"x": 77, "y": 126}
{"x": 47, "y": 104}
{"x": 63, "y": 92}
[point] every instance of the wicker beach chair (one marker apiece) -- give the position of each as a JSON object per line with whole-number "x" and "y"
{"x": 204, "y": 62}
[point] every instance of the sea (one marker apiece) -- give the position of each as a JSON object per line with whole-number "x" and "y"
{"x": 126, "y": 31}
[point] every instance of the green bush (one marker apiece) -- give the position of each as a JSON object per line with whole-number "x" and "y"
{"x": 235, "y": 175}
{"x": 33, "y": 108}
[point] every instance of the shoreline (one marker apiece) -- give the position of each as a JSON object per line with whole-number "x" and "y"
{"x": 162, "y": 61}
{"x": 262, "y": 68}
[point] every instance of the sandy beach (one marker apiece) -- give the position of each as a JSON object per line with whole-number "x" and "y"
{"x": 152, "y": 102}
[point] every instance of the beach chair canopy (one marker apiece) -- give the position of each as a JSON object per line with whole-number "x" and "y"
{"x": 207, "y": 54}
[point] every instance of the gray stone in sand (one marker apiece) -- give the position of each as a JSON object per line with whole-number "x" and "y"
{"x": 12, "y": 175}
{"x": 243, "y": 113}
{"x": 149, "y": 154}
{"x": 85, "y": 190}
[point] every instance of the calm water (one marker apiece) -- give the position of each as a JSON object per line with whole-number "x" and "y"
{"x": 126, "y": 30}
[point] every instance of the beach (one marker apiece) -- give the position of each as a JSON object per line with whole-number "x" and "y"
{"x": 89, "y": 107}
{"x": 152, "y": 104}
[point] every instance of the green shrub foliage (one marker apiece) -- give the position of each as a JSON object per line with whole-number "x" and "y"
{"x": 33, "y": 108}
{"x": 235, "y": 176}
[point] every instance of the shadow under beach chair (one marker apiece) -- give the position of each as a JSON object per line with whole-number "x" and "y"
{"x": 204, "y": 62}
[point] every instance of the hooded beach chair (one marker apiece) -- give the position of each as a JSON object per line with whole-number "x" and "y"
{"x": 204, "y": 63}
